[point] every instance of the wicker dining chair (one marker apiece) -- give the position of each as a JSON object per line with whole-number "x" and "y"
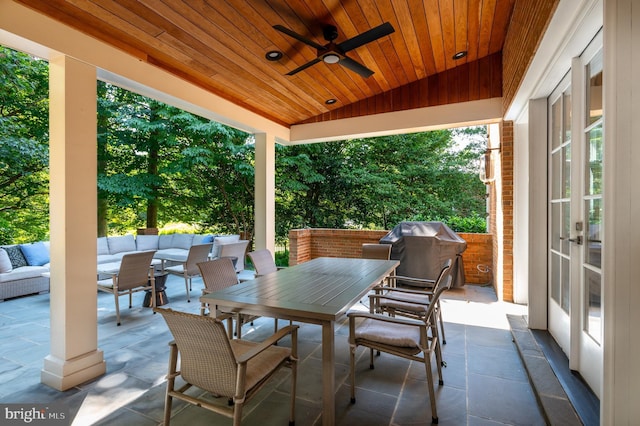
{"x": 412, "y": 300}
{"x": 413, "y": 339}
{"x": 218, "y": 274}
{"x": 227, "y": 368}
{"x": 189, "y": 268}
{"x": 134, "y": 274}
{"x": 376, "y": 251}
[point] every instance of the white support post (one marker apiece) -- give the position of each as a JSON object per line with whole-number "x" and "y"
{"x": 74, "y": 356}
{"x": 265, "y": 206}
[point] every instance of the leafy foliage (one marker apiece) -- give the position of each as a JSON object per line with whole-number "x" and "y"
{"x": 24, "y": 147}
{"x": 158, "y": 165}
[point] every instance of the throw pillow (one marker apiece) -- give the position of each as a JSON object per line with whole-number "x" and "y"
{"x": 36, "y": 254}
{"x": 5, "y": 262}
{"x": 16, "y": 256}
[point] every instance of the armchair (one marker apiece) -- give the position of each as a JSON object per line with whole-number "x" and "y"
{"x": 231, "y": 368}
{"x": 189, "y": 268}
{"x": 135, "y": 274}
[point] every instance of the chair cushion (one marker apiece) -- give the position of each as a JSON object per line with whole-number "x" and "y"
{"x": 16, "y": 256}
{"x": 5, "y": 262}
{"x": 147, "y": 242}
{"x": 182, "y": 241}
{"x": 121, "y": 244}
{"x": 24, "y": 272}
{"x": 409, "y": 303}
{"x": 36, "y": 254}
{"x": 103, "y": 246}
{"x": 387, "y": 333}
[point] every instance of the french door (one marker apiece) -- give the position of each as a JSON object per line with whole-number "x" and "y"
{"x": 576, "y": 214}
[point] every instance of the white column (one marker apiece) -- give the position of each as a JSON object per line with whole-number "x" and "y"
{"x": 74, "y": 356}
{"x": 265, "y": 178}
{"x": 537, "y": 213}
{"x": 621, "y": 238}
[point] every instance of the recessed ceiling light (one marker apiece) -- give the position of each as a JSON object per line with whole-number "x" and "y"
{"x": 330, "y": 101}
{"x": 460, "y": 55}
{"x": 273, "y": 55}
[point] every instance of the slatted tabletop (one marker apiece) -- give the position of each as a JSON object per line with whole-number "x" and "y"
{"x": 322, "y": 289}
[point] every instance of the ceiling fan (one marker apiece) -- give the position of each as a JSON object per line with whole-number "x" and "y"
{"x": 332, "y": 53}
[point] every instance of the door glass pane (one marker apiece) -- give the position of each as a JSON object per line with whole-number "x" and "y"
{"x": 555, "y": 277}
{"x": 593, "y": 244}
{"x": 556, "y": 182}
{"x": 594, "y": 90}
{"x": 566, "y": 227}
{"x": 595, "y": 148}
{"x": 593, "y": 314}
{"x": 566, "y": 116}
{"x": 556, "y": 124}
{"x": 566, "y": 171}
{"x": 555, "y": 225}
{"x": 566, "y": 285}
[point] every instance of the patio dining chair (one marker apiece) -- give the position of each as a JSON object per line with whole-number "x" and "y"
{"x": 189, "y": 268}
{"x": 416, "y": 340}
{"x": 135, "y": 274}
{"x": 218, "y": 274}
{"x": 412, "y": 301}
{"x": 264, "y": 264}
{"x": 233, "y": 369}
{"x": 376, "y": 251}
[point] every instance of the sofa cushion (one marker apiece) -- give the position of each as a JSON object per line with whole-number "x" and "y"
{"x": 182, "y": 241}
{"x": 16, "y": 256}
{"x": 103, "y": 246}
{"x": 24, "y": 272}
{"x": 165, "y": 241}
{"x": 5, "y": 262}
{"x": 36, "y": 254}
{"x": 147, "y": 242}
{"x": 122, "y": 243}
{"x": 222, "y": 239}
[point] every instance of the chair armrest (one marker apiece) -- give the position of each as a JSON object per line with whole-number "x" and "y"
{"x": 376, "y": 297}
{"x": 377, "y": 289}
{"x": 424, "y": 281}
{"x": 395, "y": 320}
{"x": 267, "y": 343}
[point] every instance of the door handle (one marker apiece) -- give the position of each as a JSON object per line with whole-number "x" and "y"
{"x": 577, "y": 240}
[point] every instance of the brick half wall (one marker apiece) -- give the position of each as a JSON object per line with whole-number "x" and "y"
{"x": 307, "y": 244}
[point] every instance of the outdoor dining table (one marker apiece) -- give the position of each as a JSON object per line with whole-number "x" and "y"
{"x": 319, "y": 291}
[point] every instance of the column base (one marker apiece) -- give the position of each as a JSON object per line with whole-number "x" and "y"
{"x": 62, "y": 375}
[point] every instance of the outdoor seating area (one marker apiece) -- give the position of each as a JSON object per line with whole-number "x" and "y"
{"x": 484, "y": 379}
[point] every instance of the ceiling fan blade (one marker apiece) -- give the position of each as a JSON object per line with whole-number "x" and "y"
{"x": 305, "y": 66}
{"x": 356, "y": 67}
{"x": 298, "y": 37}
{"x": 366, "y": 37}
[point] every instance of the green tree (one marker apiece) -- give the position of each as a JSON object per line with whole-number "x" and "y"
{"x": 24, "y": 147}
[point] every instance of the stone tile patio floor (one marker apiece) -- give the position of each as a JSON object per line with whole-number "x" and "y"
{"x": 485, "y": 382}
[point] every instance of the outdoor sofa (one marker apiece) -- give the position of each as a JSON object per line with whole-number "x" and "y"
{"x": 24, "y": 268}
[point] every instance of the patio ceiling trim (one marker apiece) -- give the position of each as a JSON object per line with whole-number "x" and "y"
{"x": 461, "y": 114}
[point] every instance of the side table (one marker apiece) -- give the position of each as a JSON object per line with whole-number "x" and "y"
{"x": 161, "y": 295}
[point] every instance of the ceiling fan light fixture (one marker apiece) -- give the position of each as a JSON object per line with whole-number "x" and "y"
{"x": 273, "y": 55}
{"x": 459, "y": 55}
{"x": 331, "y": 58}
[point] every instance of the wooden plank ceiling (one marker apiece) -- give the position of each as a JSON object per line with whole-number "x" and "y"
{"x": 220, "y": 45}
